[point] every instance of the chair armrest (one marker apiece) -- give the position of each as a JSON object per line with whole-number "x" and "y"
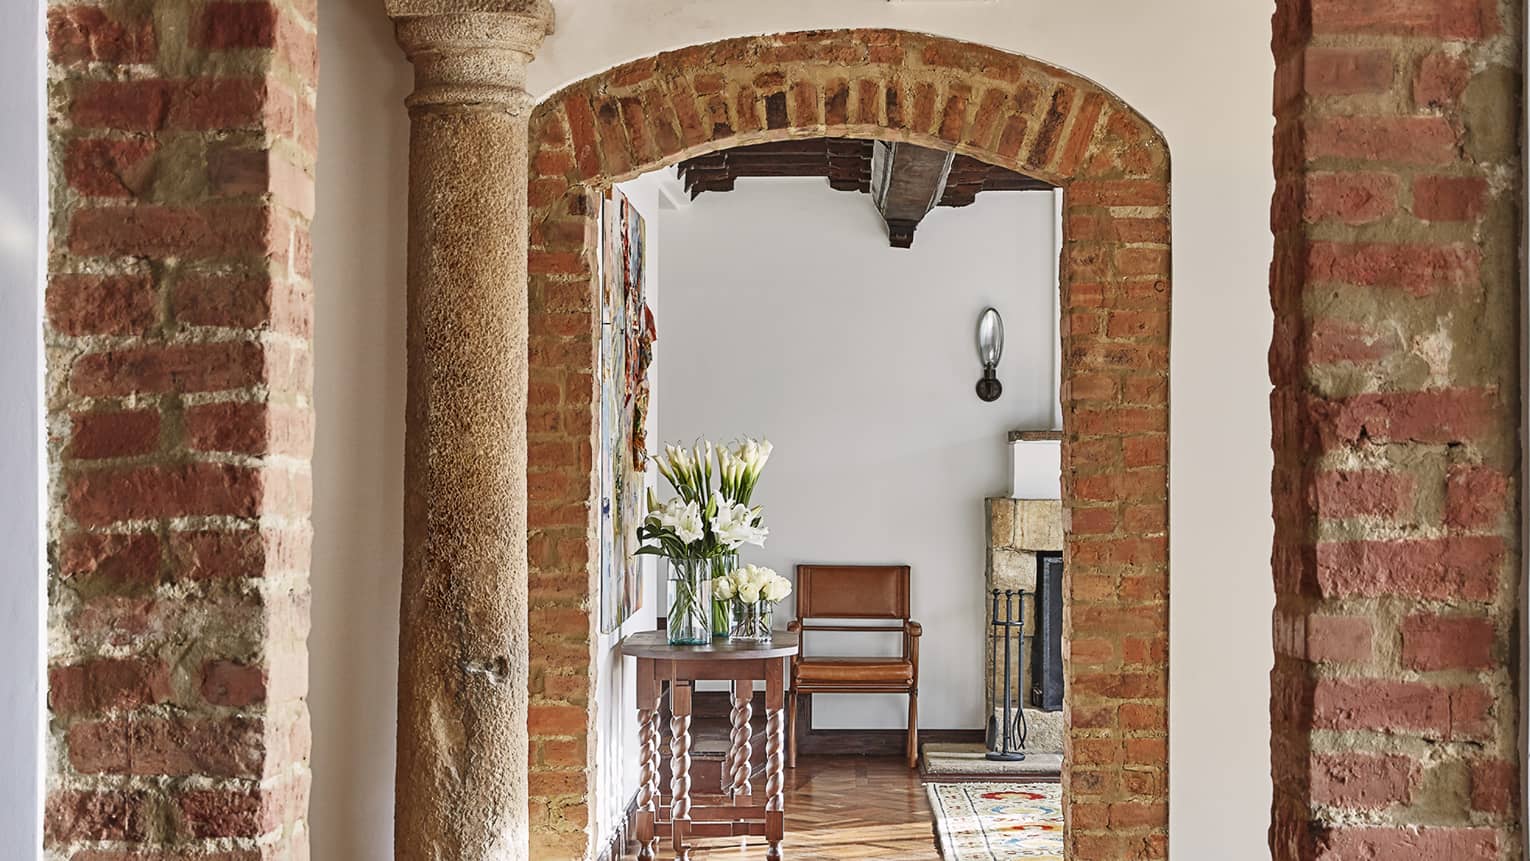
{"x": 911, "y": 633}
{"x": 795, "y": 627}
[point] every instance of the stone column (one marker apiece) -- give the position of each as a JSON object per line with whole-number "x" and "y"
{"x": 461, "y": 780}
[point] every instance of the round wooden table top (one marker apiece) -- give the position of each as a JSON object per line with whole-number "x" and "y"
{"x": 655, "y": 644}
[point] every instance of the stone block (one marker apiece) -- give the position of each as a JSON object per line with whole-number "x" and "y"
{"x": 1038, "y": 525}
{"x": 1001, "y": 521}
{"x": 1011, "y": 569}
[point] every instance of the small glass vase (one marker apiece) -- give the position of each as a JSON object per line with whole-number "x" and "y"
{"x": 690, "y": 602}
{"x": 722, "y": 613}
{"x": 751, "y": 621}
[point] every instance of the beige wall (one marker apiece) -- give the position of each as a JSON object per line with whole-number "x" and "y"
{"x": 1199, "y": 69}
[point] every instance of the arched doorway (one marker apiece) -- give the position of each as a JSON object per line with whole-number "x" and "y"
{"x": 1000, "y": 108}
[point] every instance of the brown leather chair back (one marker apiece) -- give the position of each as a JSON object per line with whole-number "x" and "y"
{"x": 852, "y": 592}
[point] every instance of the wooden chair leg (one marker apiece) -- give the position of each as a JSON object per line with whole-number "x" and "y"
{"x": 791, "y": 729}
{"x": 913, "y": 728}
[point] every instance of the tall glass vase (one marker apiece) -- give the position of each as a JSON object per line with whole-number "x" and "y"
{"x": 690, "y": 602}
{"x": 722, "y": 621}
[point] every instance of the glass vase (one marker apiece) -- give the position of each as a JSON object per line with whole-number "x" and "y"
{"x": 690, "y": 602}
{"x": 751, "y": 621}
{"x": 722, "y": 614}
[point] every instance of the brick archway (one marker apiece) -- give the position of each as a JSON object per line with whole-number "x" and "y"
{"x": 998, "y": 107}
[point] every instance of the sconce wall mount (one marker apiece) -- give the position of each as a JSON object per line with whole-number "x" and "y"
{"x": 990, "y": 343}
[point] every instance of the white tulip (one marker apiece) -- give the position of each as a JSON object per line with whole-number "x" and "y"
{"x": 776, "y": 588}
{"x": 749, "y": 592}
{"x": 722, "y": 588}
{"x": 753, "y": 583}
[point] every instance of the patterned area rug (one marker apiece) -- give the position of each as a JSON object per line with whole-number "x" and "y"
{"x": 997, "y": 821}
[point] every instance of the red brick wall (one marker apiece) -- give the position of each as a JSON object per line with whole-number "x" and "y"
{"x": 998, "y": 107}
{"x": 182, "y": 143}
{"x": 1396, "y": 294}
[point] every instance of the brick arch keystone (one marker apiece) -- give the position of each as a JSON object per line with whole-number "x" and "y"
{"x": 1001, "y": 108}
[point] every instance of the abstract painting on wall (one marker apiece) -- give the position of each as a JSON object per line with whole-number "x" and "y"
{"x": 626, "y": 349}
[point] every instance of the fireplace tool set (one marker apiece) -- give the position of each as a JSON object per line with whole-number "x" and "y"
{"x": 1009, "y": 650}
{"x": 1006, "y": 732}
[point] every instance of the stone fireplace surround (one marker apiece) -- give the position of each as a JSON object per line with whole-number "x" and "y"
{"x": 1018, "y": 530}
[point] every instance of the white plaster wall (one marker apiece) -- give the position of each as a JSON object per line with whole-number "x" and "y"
{"x": 23, "y": 198}
{"x": 358, "y": 465}
{"x": 787, "y": 315}
{"x": 1199, "y": 69}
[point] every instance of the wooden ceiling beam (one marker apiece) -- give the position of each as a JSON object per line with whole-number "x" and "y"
{"x": 847, "y": 165}
{"x": 906, "y": 183}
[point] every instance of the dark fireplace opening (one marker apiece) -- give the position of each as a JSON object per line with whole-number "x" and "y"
{"x": 1046, "y": 657}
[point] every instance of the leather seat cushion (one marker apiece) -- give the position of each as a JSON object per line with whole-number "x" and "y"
{"x": 839, "y": 670}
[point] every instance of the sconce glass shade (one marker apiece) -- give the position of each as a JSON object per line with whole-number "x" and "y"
{"x": 990, "y": 338}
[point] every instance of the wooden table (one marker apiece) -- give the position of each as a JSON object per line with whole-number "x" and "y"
{"x": 735, "y": 812}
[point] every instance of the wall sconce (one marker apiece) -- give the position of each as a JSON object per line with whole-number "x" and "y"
{"x": 990, "y": 341}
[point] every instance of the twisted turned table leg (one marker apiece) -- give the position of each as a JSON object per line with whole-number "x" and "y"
{"x": 655, "y": 740}
{"x": 775, "y": 779}
{"x": 648, "y": 781}
{"x": 741, "y": 751}
{"x": 650, "y": 696}
{"x": 680, "y": 766}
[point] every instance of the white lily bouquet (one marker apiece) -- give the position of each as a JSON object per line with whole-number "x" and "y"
{"x": 702, "y": 527}
{"x": 752, "y": 593}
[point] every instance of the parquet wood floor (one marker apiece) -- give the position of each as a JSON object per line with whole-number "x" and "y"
{"x": 842, "y": 809}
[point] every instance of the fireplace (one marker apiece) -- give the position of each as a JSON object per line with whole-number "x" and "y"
{"x": 1025, "y": 539}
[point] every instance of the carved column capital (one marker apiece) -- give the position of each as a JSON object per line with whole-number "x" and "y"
{"x": 470, "y": 53}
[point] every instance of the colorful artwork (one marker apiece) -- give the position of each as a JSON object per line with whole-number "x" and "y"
{"x": 998, "y": 821}
{"x": 626, "y": 349}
